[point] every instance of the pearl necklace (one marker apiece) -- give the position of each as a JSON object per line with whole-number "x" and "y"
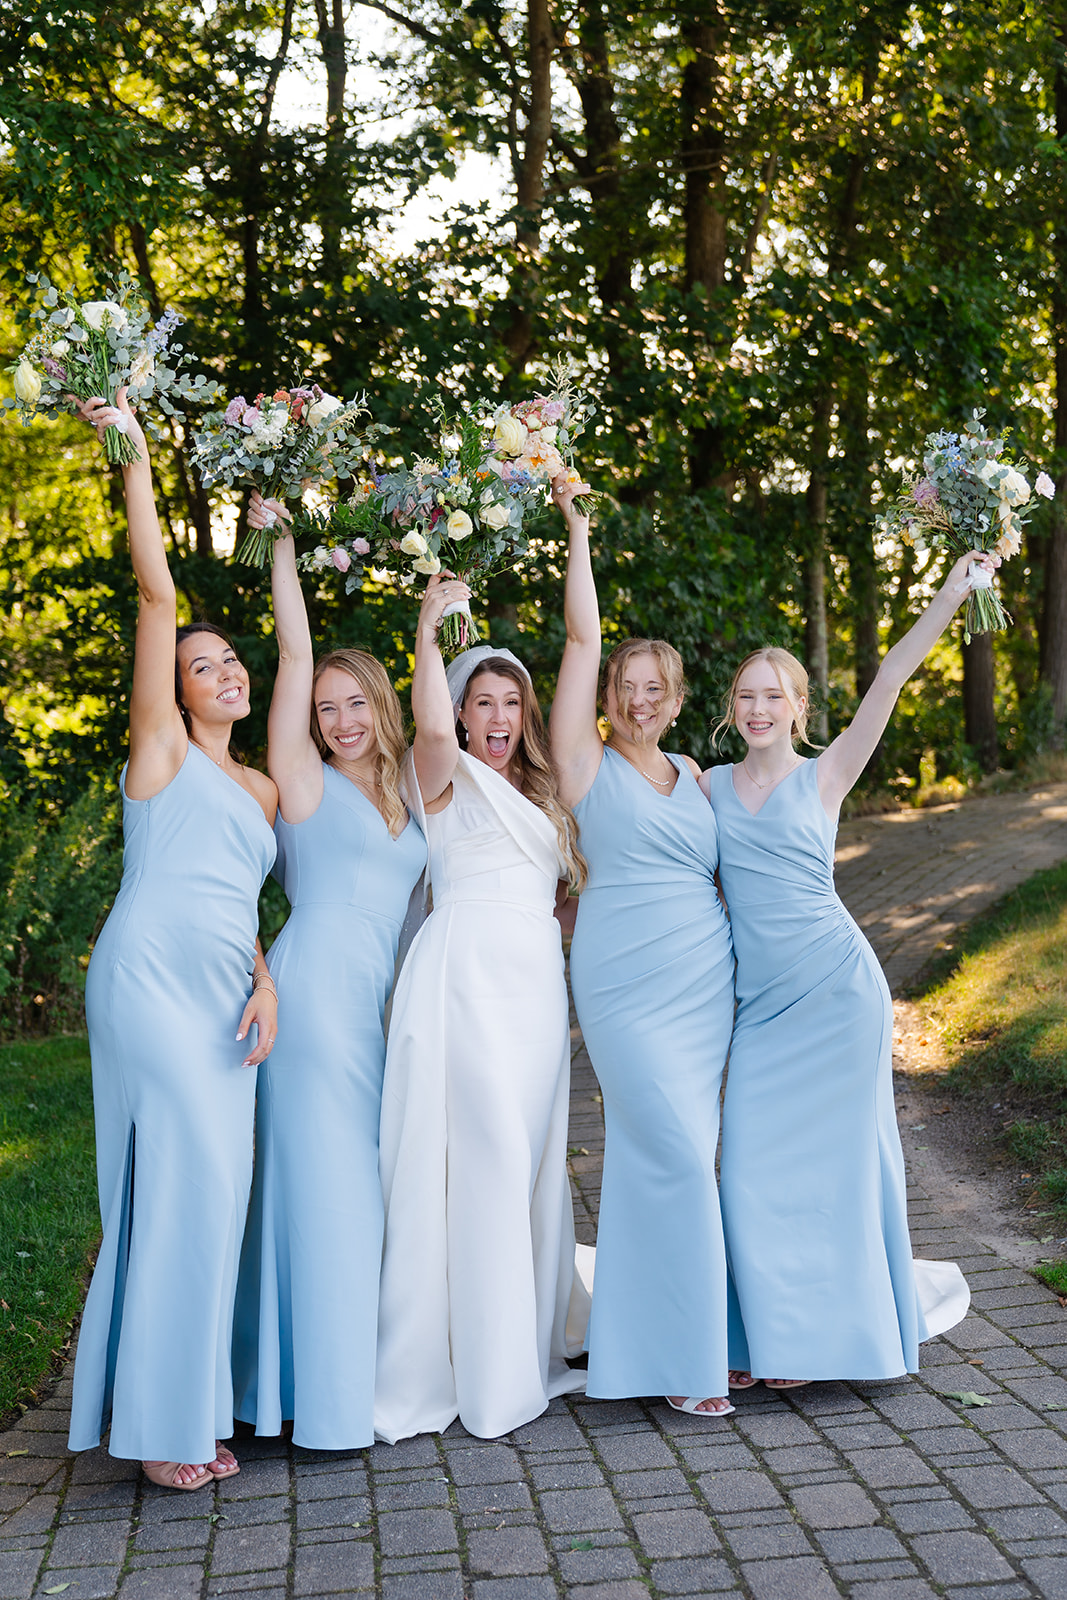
{"x": 661, "y": 783}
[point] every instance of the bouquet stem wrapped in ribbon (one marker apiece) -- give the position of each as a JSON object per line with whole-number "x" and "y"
{"x": 970, "y": 496}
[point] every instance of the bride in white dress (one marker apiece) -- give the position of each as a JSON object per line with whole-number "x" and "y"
{"x": 478, "y": 1274}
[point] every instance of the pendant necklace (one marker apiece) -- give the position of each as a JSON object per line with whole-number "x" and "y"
{"x": 769, "y": 784}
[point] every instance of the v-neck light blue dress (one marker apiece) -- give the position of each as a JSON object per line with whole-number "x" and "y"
{"x": 652, "y": 976}
{"x": 813, "y": 1189}
{"x": 170, "y": 976}
{"x": 307, "y": 1301}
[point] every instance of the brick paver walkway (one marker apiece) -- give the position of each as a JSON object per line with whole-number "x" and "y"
{"x": 881, "y": 1491}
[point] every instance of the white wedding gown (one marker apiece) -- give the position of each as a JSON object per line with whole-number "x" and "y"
{"x": 478, "y": 1275}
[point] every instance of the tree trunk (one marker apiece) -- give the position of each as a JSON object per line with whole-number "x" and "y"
{"x": 702, "y": 154}
{"x": 813, "y": 566}
{"x": 1053, "y": 657}
{"x": 979, "y": 681}
{"x": 257, "y": 326}
{"x": 330, "y": 16}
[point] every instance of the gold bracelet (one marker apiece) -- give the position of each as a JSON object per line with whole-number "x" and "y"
{"x": 259, "y": 981}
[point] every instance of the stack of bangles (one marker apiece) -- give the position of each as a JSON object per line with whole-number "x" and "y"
{"x": 261, "y": 980}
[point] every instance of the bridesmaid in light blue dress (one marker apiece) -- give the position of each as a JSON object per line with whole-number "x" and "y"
{"x": 813, "y": 1187}
{"x": 652, "y": 977}
{"x": 349, "y": 857}
{"x": 175, "y": 983}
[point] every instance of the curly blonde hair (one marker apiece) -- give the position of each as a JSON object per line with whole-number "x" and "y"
{"x": 793, "y": 677}
{"x": 388, "y": 726}
{"x": 537, "y": 774}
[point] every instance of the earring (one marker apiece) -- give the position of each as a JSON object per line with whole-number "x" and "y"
{"x": 674, "y": 722}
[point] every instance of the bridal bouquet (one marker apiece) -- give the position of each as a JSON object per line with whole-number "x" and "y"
{"x": 84, "y": 348}
{"x": 281, "y": 444}
{"x": 970, "y": 496}
{"x": 463, "y": 508}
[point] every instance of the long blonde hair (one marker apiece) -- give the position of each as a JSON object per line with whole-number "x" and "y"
{"x": 793, "y": 677}
{"x": 388, "y": 725}
{"x": 538, "y": 781}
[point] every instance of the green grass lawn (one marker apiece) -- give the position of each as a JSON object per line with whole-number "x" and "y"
{"x": 999, "y": 1004}
{"x": 49, "y": 1220}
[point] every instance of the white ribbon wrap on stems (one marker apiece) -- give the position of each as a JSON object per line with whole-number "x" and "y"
{"x": 269, "y": 517}
{"x": 977, "y": 578}
{"x": 121, "y": 423}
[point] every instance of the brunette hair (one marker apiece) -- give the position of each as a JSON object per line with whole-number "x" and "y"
{"x": 793, "y": 677}
{"x": 388, "y": 725}
{"x": 667, "y": 658}
{"x": 538, "y": 780}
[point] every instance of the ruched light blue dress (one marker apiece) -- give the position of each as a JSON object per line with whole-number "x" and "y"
{"x": 652, "y": 977}
{"x": 169, "y": 978}
{"x": 813, "y": 1188}
{"x": 307, "y": 1300}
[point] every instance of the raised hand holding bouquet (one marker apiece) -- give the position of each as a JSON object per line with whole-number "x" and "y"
{"x": 281, "y": 444}
{"x": 463, "y": 509}
{"x": 93, "y": 348}
{"x": 970, "y": 496}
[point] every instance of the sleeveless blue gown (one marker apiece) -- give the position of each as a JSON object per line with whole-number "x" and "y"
{"x": 652, "y": 977}
{"x": 168, "y": 980}
{"x": 813, "y": 1189}
{"x": 307, "y": 1300}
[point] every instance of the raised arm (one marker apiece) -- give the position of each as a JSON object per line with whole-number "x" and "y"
{"x": 158, "y": 740}
{"x": 841, "y": 764}
{"x": 435, "y": 748}
{"x": 577, "y": 748}
{"x": 292, "y": 759}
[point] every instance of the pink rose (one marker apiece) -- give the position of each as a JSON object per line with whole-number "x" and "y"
{"x": 236, "y": 409}
{"x": 341, "y": 559}
{"x": 249, "y": 417}
{"x": 361, "y": 547}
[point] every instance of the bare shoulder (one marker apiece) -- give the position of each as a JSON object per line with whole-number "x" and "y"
{"x": 693, "y": 766}
{"x": 262, "y": 789}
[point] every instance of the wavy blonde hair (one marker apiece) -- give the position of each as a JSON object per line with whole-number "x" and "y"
{"x": 537, "y": 774}
{"x": 793, "y": 677}
{"x": 667, "y": 658}
{"x": 388, "y": 725}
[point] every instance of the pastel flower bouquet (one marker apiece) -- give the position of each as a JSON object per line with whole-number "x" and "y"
{"x": 466, "y": 508}
{"x": 461, "y": 509}
{"x": 84, "y": 348}
{"x": 970, "y": 496}
{"x": 281, "y": 444}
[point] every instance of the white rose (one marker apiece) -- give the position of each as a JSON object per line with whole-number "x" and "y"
{"x": 98, "y": 313}
{"x": 321, "y": 409}
{"x": 509, "y": 435}
{"x": 549, "y": 433}
{"x": 1045, "y": 486}
{"x": 427, "y": 564}
{"x": 58, "y": 349}
{"x": 142, "y": 370}
{"x": 1010, "y": 541}
{"x": 495, "y": 516}
{"x": 413, "y": 544}
{"x": 459, "y": 525}
{"x": 1013, "y": 488}
{"x": 27, "y": 383}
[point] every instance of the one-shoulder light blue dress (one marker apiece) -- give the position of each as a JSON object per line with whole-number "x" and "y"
{"x": 307, "y": 1300}
{"x": 652, "y": 977}
{"x": 813, "y": 1187}
{"x": 169, "y": 978}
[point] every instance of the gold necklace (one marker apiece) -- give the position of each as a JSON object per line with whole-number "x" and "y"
{"x": 769, "y": 784}
{"x": 204, "y": 752}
